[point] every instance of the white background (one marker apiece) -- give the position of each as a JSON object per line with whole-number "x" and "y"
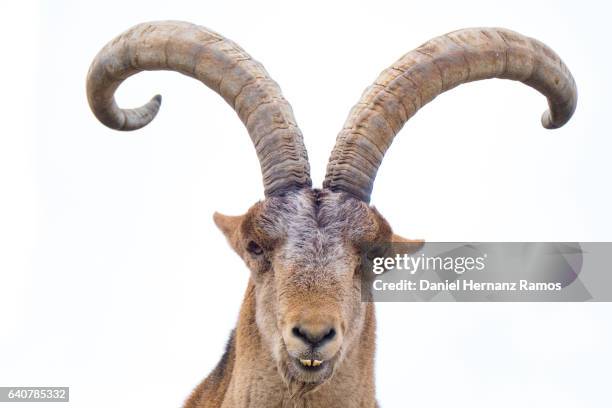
{"x": 115, "y": 282}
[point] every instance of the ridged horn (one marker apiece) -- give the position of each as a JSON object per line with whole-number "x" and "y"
{"x": 222, "y": 66}
{"x": 424, "y": 73}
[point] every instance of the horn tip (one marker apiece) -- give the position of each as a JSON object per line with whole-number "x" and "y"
{"x": 548, "y": 122}
{"x": 140, "y": 117}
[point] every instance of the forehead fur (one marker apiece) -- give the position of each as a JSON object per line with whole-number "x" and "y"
{"x": 313, "y": 223}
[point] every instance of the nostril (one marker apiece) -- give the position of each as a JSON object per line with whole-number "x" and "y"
{"x": 298, "y": 333}
{"x": 330, "y": 334}
{"x": 304, "y": 335}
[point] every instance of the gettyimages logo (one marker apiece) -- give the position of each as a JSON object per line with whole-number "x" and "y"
{"x": 487, "y": 271}
{"x": 414, "y": 264}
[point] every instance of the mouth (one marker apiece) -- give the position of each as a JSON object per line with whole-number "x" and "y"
{"x": 311, "y": 370}
{"x": 310, "y": 365}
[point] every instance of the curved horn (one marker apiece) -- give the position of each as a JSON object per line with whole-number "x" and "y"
{"x": 421, "y": 75}
{"x": 222, "y": 66}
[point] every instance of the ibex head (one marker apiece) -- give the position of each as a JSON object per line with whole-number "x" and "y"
{"x": 302, "y": 248}
{"x": 302, "y": 244}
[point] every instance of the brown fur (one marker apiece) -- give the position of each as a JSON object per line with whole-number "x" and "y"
{"x": 306, "y": 274}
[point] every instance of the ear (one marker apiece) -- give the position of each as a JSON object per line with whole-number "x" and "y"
{"x": 229, "y": 225}
{"x": 412, "y": 245}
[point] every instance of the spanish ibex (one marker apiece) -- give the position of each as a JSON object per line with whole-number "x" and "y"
{"x": 304, "y": 338}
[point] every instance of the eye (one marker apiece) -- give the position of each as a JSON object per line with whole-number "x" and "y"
{"x": 376, "y": 251}
{"x": 254, "y": 248}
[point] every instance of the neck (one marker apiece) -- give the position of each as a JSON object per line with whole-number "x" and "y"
{"x": 250, "y": 377}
